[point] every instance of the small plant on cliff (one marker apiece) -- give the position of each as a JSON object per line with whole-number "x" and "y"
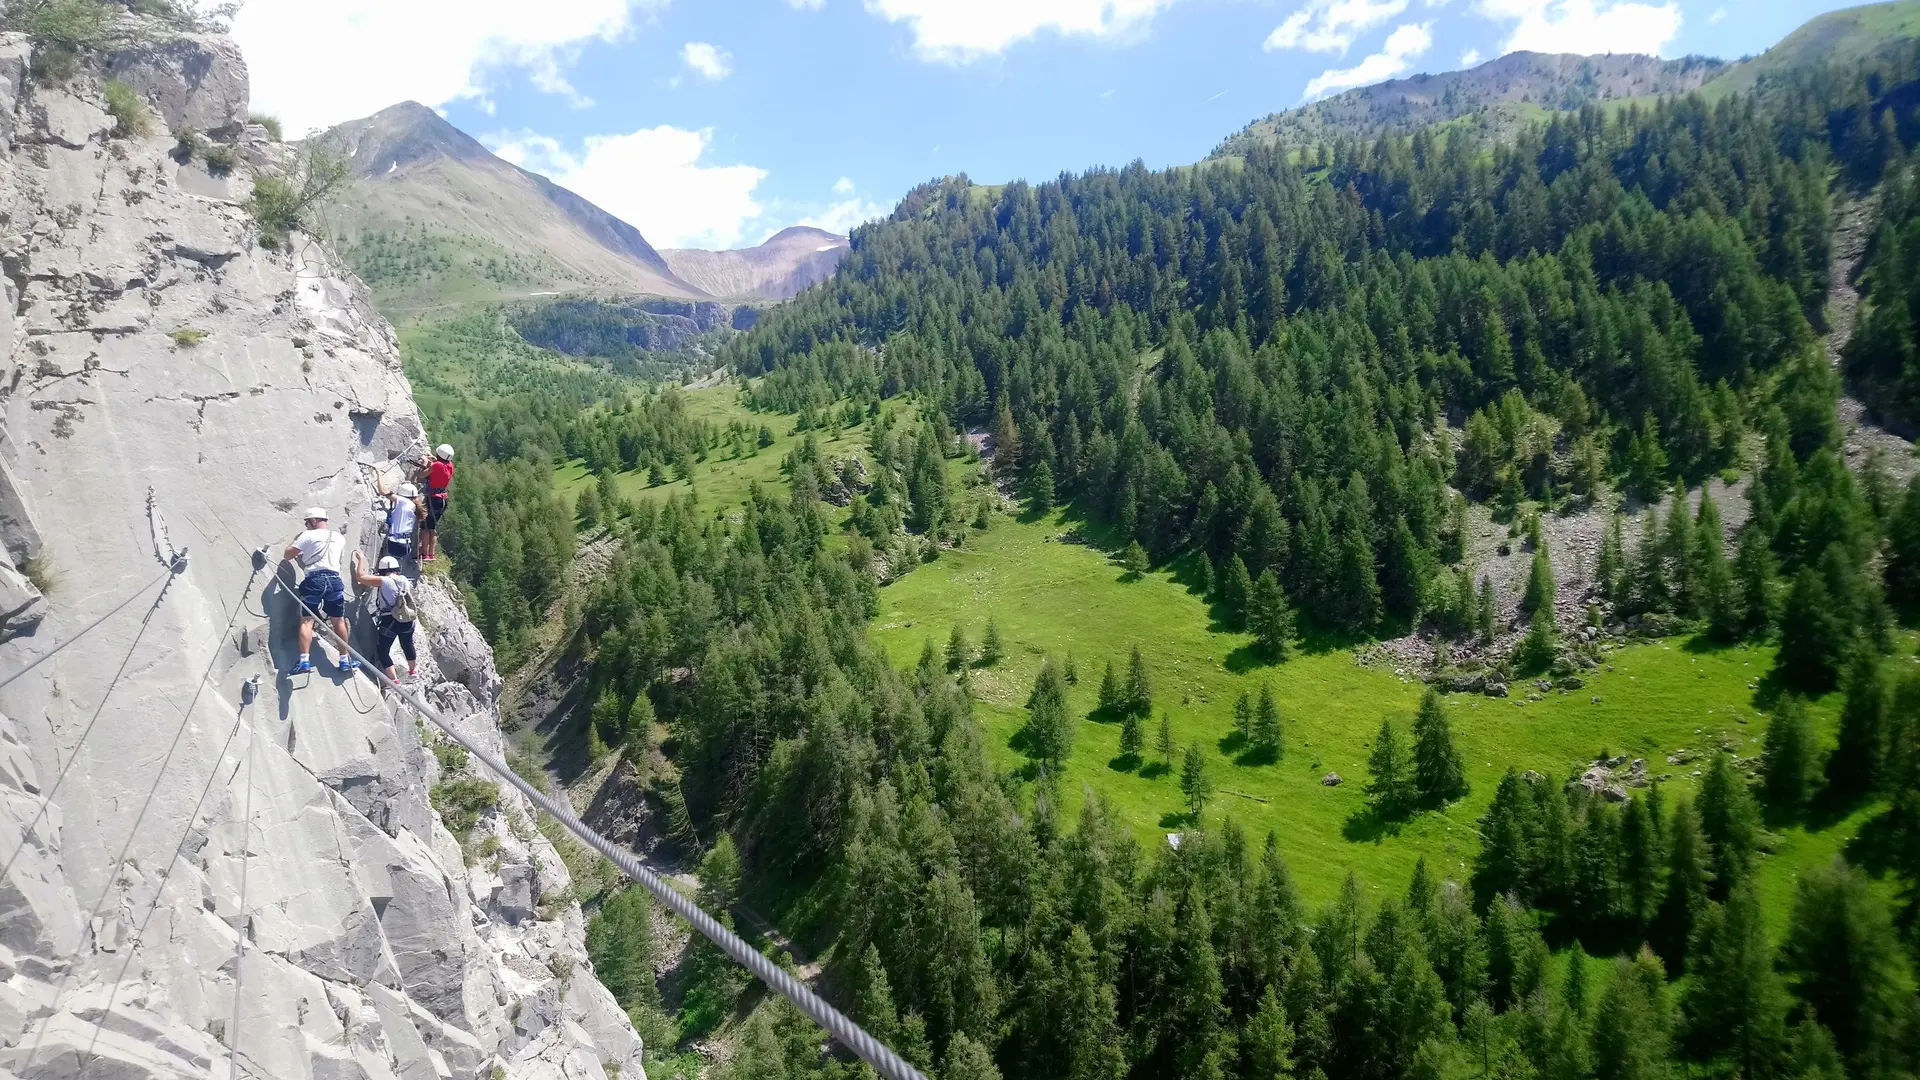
{"x": 461, "y": 803}
{"x": 271, "y": 123}
{"x": 130, "y": 115}
{"x": 220, "y": 158}
{"x": 282, "y": 204}
{"x": 187, "y": 337}
{"x": 61, "y": 30}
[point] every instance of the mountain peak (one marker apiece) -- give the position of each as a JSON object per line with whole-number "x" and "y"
{"x": 402, "y": 134}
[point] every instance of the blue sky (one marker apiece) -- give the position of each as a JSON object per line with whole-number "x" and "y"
{"x": 714, "y": 123}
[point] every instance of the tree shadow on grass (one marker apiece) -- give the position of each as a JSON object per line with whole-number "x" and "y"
{"x": 1234, "y": 743}
{"x": 1175, "y": 819}
{"x": 1107, "y": 715}
{"x": 1877, "y": 847}
{"x": 1369, "y": 826}
{"x": 1124, "y": 763}
{"x": 1246, "y": 658}
{"x": 1258, "y": 755}
{"x": 1155, "y": 770}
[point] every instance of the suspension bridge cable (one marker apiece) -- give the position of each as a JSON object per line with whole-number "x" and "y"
{"x": 240, "y": 937}
{"x": 249, "y": 692}
{"x": 837, "y": 1024}
{"x": 131, "y": 597}
{"x": 120, "y": 863}
{"x": 178, "y": 567}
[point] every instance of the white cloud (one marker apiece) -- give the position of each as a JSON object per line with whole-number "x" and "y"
{"x": 654, "y": 179}
{"x": 711, "y": 62}
{"x": 316, "y": 64}
{"x": 1405, "y": 45}
{"x": 1469, "y": 58}
{"x": 1585, "y": 26}
{"x": 1719, "y": 13}
{"x": 806, "y": 5}
{"x": 1331, "y": 25}
{"x": 958, "y": 31}
{"x": 843, "y": 186}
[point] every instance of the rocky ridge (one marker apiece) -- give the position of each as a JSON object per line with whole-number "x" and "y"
{"x": 190, "y": 836}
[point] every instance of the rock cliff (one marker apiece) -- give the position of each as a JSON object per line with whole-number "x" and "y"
{"x": 208, "y": 868}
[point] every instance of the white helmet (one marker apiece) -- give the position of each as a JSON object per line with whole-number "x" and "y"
{"x": 408, "y": 491}
{"x": 316, "y": 513}
{"x": 444, "y": 452}
{"x": 388, "y": 562}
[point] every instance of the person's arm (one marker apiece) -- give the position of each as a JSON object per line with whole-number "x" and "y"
{"x": 292, "y": 553}
{"x": 360, "y": 575}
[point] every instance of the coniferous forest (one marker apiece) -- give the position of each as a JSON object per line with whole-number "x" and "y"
{"x": 1298, "y": 370}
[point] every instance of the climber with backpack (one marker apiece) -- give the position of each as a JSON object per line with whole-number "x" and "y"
{"x": 393, "y": 611}
{"x": 322, "y": 592}
{"x": 439, "y": 479}
{"x": 403, "y": 518}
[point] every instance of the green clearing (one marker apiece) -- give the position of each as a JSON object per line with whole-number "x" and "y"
{"x": 723, "y": 479}
{"x": 1049, "y": 596}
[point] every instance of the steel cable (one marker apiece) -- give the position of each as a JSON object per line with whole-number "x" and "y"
{"x": 837, "y": 1024}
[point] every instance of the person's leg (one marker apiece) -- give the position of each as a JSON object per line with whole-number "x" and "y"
{"x": 406, "y": 647}
{"x": 383, "y": 652}
{"x": 306, "y": 635}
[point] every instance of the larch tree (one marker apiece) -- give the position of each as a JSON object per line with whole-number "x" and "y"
{"x": 1439, "y": 773}
{"x": 1389, "y": 787}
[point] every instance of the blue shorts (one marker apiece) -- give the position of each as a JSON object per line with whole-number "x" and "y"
{"x": 324, "y": 592}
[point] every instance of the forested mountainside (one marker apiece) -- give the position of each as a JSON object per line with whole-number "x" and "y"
{"x": 1294, "y": 377}
{"x": 1502, "y": 97}
{"x": 1496, "y": 99}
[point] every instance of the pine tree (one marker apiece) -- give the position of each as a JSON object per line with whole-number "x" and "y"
{"x": 1138, "y": 693}
{"x": 1847, "y": 964}
{"x": 1757, "y": 573}
{"x": 1651, "y": 587}
{"x": 1267, "y": 1042}
{"x": 1640, "y": 862}
{"x": 1535, "y": 651}
{"x": 1539, "y": 594}
{"x": 1131, "y": 736}
{"x": 990, "y": 646}
{"x": 968, "y": 1060}
{"x": 1735, "y": 1005}
{"x": 1134, "y": 559}
{"x": 1243, "y": 716}
{"x": 1729, "y": 820}
{"x": 1439, "y": 774}
{"x": 1203, "y": 575}
{"x": 1857, "y": 764}
{"x": 586, "y": 508}
{"x": 1814, "y": 636}
{"x": 1483, "y": 610}
{"x": 620, "y": 943}
{"x": 1236, "y": 590}
{"x": 1388, "y": 789}
{"x": 1269, "y": 617}
{"x": 1677, "y": 549}
{"x": 1163, "y": 742}
{"x": 1689, "y": 877}
{"x": 1788, "y": 757}
{"x": 1040, "y": 493}
{"x": 1195, "y": 785}
{"x": 959, "y": 653}
{"x": 1111, "y": 699}
{"x": 1084, "y": 1011}
{"x": 1611, "y": 571}
{"x": 1356, "y": 587}
{"x": 1049, "y": 726}
{"x": 1901, "y": 572}
{"x": 1268, "y": 737}
{"x": 1646, "y": 462}
{"x": 1632, "y": 1028}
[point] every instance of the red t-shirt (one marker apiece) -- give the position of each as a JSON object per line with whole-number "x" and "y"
{"x": 439, "y": 477}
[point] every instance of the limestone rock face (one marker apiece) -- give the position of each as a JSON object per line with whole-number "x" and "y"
{"x": 209, "y": 867}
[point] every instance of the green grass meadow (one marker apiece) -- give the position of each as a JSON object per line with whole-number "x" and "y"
{"x": 1052, "y": 596}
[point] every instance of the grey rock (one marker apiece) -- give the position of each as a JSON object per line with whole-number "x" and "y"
{"x": 1332, "y": 779}
{"x": 365, "y": 947}
{"x": 193, "y": 80}
{"x": 1496, "y": 689}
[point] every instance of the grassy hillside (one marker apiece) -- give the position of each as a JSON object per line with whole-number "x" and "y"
{"x": 1841, "y": 38}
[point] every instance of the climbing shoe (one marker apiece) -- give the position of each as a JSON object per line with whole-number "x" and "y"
{"x": 349, "y": 665}
{"x": 304, "y": 667}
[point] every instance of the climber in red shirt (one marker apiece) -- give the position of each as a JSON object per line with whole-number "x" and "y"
{"x": 439, "y": 480}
